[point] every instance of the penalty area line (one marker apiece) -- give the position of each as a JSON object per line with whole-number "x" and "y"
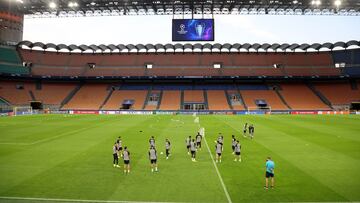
{"x": 72, "y": 200}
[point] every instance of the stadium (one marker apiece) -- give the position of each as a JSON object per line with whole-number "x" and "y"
{"x": 63, "y": 106}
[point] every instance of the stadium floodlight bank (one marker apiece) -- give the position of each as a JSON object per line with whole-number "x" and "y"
{"x": 22, "y": 110}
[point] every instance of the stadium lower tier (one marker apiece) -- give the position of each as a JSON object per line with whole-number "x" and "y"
{"x": 232, "y": 96}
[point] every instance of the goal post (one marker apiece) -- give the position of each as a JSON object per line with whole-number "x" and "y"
{"x": 254, "y": 110}
{"x": 22, "y": 110}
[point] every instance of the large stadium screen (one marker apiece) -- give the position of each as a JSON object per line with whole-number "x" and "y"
{"x": 193, "y": 30}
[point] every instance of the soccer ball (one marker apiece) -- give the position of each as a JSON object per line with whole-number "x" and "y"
{"x": 161, "y": 152}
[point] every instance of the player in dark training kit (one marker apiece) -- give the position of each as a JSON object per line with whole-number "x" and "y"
{"x": 153, "y": 159}
{"x": 233, "y": 143}
{"x": 126, "y": 157}
{"x": 187, "y": 142}
{"x": 167, "y": 148}
{"x": 251, "y": 131}
{"x": 193, "y": 150}
{"x": 115, "y": 155}
{"x": 245, "y": 129}
{"x": 198, "y": 140}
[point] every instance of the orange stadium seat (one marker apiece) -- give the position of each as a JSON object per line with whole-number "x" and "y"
{"x": 53, "y": 93}
{"x": 338, "y": 93}
{"x": 270, "y": 96}
{"x": 118, "y": 96}
{"x": 15, "y": 96}
{"x": 300, "y": 97}
{"x": 170, "y": 100}
{"x": 89, "y": 97}
{"x": 217, "y": 100}
{"x": 194, "y": 96}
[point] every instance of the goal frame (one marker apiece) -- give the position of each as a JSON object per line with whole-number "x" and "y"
{"x": 17, "y": 108}
{"x": 266, "y": 110}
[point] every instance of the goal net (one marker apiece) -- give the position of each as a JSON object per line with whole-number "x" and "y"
{"x": 257, "y": 110}
{"x": 22, "y": 110}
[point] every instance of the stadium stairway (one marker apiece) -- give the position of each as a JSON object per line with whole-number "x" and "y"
{"x": 182, "y": 99}
{"x": 242, "y": 99}
{"x": 228, "y": 99}
{"x": 71, "y": 95}
{"x": 4, "y": 101}
{"x": 146, "y": 99}
{"x": 32, "y": 95}
{"x": 353, "y": 84}
{"x": 206, "y": 100}
{"x": 160, "y": 98}
{"x": 111, "y": 90}
{"x": 319, "y": 94}
{"x": 282, "y": 98}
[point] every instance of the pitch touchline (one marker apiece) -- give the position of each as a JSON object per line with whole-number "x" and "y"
{"x": 217, "y": 170}
{"x": 74, "y": 200}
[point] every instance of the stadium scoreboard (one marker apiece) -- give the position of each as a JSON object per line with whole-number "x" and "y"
{"x": 193, "y": 30}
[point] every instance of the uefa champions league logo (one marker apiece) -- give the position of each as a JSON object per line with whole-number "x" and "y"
{"x": 200, "y": 28}
{"x": 182, "y": 29}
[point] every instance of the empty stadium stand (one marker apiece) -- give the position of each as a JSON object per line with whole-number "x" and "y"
{"x": 270, "y": 96}
{"x": 17, "y": 93}
{"x": 194, "y": 96}
{"x": 89, "y": 97}
{"x": 338, "y": 93}
{"x": 183, "y": 65}
{"x": 217, "y": 100}
{"x": 118, "y": 96}
{"x": 10, "y": 62}
{"x": 299, "y": 97}
{"x": 170, "y": 100}
{"x": 53, "y": 93}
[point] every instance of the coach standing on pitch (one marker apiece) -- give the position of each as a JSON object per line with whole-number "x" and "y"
{"x": 270, "y": 166}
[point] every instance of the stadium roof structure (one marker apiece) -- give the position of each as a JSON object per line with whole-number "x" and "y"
{"x": 171, "y": 48}
{"x": 69, "y": 8}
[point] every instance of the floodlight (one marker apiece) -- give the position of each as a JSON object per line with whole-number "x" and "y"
{"x": 149, "y": 66}
{"x": 52, "y": 5}
{"x": 337, "y": 3}
{"x": 217, "y": 65}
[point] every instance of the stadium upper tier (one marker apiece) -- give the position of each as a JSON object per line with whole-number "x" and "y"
{"x": 184, "y": 61}
{"x": 181, "y": 7}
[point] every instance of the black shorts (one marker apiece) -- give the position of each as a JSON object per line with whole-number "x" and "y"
{"x": 244, "y": 131}
{"x": 198, "y": 143}
{"x": 269, "y": 175}
{"x": 153, "y": 161}
{"x": 233, "y": 148}
{"x": 187, "y": 146}
{"x": 126, "y": 162}
{"x": 167, "y": 150}
{"x": 219, "y": 154}
{"x": 237, "y": 153}
{"x": 115, "y": 156}
{"x": 120, "y": 148}
{"x": 193, "y": 152}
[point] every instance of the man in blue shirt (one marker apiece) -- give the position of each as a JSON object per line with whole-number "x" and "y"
{"x": 270, "y": 166}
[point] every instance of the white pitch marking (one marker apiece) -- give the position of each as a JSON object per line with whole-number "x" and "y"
{"x": 216, "y": 168}
{"x": 72, "y": 200}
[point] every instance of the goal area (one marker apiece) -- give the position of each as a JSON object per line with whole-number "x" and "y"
{"x": 259, "y": 110}
{"x": 22, "y": 110}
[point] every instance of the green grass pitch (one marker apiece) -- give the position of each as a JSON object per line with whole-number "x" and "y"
{"x": 70, "y": 157}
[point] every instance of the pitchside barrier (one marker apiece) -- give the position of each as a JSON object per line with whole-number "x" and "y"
{"x": 18, "y": 112}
